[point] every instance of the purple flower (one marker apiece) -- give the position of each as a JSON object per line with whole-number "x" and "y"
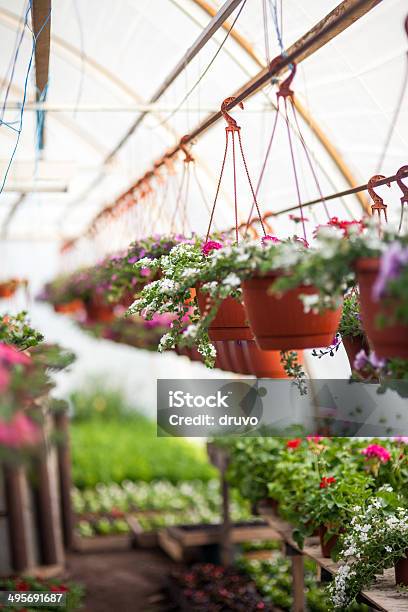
{"x": 394, "y": 258}
{"x": 133, "y": 259}
{"x": 361, "y": 360}
{"x": 376, "y": 362}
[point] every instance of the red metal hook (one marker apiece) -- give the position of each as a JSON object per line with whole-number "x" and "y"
{"x": 183, "y": 147}
{"x": 284, "y": 88}
{"x": 232, "y": 124}
{"x": 378, "y": 201}
{"x": 399, "y": 175}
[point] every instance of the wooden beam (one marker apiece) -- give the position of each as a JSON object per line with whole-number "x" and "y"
{"x": 303, "y": 112}
{"x": 41, "y": 20}
{"x": 333, "y": 24}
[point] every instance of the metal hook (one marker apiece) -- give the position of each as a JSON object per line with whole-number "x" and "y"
{"x": 399, "y": 175}
{"x": 183, "y": 147}
{"x": 378, "y": 201}
{"x": 404, "y": 188}
{"x": 284, "y": 88}
{"x": 232, "y": 124}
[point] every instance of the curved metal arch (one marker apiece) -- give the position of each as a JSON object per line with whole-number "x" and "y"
{"x": 67, "y": 50}
{"x": 332, "y": 151}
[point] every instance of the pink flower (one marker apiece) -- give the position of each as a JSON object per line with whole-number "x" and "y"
{"x": 209, "y": 246}
{"x": 378, "y": 452}
{"x": 145, "y": 272}
{"x": 401, "y": 439}
{"x": 10, "y": 355}
{"x": 4, "y": 378}
{"x": 269, "y": 238}
{"x": 315, "y": 439}
{"x": 20, "y": 431}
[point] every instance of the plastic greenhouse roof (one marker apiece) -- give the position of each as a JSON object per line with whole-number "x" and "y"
{"x": 112, "y": 55}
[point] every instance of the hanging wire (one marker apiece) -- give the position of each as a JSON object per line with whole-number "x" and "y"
{"x": 82, "y": 54}
{"x": 12, "y": 67}
{"x": 200, "y": 78}
{"x": 20, "y": 128}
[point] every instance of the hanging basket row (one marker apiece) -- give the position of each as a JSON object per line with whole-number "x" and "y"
{"x": 275, "y": 323}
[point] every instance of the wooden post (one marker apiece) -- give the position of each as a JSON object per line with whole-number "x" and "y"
{"x": 46, "y": 491}
{"x": 14, "y": 477}
{"x": 61, "y": 420}
{"x": 298, "y": 587}
{"x": 226, "y": 544}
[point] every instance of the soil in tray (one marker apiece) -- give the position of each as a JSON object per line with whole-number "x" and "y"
{"x": 211, "y": 527}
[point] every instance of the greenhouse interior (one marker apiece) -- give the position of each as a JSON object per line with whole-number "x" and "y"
{"x": 204, "y": 305}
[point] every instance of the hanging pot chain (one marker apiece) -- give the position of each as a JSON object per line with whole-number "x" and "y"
{"x": 232, "y": 127}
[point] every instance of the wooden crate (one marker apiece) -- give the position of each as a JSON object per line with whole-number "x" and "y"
{"x": 108, "y": 543}
{"x": 139, "y": 537}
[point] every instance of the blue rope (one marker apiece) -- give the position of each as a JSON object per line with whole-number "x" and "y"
{"x": 20, "y": 128}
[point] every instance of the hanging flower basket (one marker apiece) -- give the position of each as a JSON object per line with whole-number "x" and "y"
{"x": 280, "y": 323}
{"x": 230, "y": 322}
{"x": 353, "y": 345}
{"x": 387, "y": 341}
{"x": 71, "y": 307}
{"x": 238, "y": 358}
{"x": 99, "y": 312}
{"x": 8, "y": 289}
{"x": 223, "y": 361}
{"x": 401, "y": 570}
{"x": 264, "y": 364}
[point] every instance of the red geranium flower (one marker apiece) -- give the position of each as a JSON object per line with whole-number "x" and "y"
{"x": 22, "y": 586}
{"x": 326, "y": 481}
{"x": 59, "y": 588}
{"x": 294, "y": 443}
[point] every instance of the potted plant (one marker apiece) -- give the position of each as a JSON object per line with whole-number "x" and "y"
{"x": 8, "y": 288}
{"x": 383, "y": 282}
{"x": 376, "y": 539}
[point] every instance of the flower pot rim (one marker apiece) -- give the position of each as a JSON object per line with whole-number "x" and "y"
{"x": 367, "y": 264}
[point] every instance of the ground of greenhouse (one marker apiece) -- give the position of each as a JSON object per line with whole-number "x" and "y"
{"x": 129, "y": 581}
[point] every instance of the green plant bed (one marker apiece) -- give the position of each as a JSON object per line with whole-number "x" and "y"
{"x": 28, "y": 585}
{"x": 113, "y": 451}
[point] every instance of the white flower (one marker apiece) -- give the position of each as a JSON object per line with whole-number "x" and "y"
{"x": 232, "y": 279}
{"x": 145, "y": 262}
{"x": 309, "y": 302}
{"x": 191, "y": 331}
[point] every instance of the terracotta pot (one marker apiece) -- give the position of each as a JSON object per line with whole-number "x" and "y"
{"x": 327, "y": 546}
{"x": 353, "y": 345}
{"x": 230, "y": 322}
{"x": 195, "y": 355}
{"x": 69, "y": 307}
{"x": 401, "y": 570}
{"x": 265, "y": 364}
{"x": 238, "y": 359}
{"x": 223, "y": 359}
{"x": 279, "y": 323}
{"x": 99, "y": 312}
{"x": 391, "y": 340}
{"x": 7, "y": 291}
